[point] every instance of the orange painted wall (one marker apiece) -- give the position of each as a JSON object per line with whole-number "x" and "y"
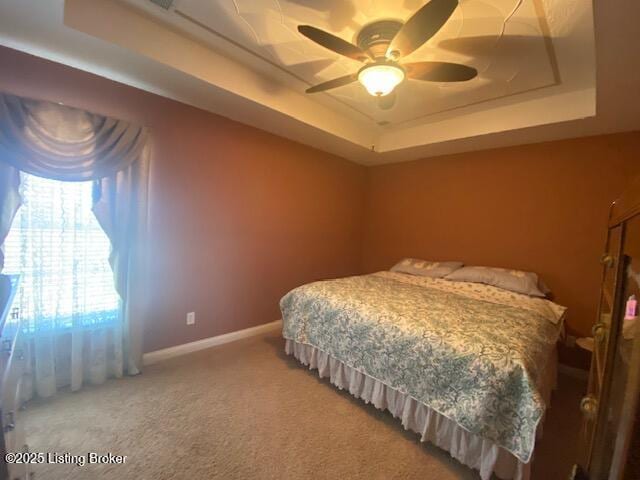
{"x": 238, "y": 216}
{"x": 539, "y": 207}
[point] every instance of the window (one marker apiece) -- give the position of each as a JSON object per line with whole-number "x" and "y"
{"x": 61, "y": 253}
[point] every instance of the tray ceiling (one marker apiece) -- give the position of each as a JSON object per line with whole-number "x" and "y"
{"x": 507, "y": 42}
{"x": 244, "y": 59}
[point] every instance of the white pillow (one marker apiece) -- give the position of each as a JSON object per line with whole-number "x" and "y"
{"x": 512, "y": 280}
{"x": 415, "y": 266}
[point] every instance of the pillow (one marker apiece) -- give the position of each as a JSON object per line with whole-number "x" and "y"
{"x": 415, "y": 266}
{"x": 512, "y": 280}
{"x": 544, "y": 288}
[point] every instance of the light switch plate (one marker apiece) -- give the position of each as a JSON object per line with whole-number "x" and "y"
{"x": 191, "y": 318}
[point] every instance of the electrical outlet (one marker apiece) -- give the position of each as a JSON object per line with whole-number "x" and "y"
{"x": 570, "y": 341}
{"x": 191, "y": 318}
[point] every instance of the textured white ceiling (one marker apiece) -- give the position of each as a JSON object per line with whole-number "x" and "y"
{"x": 251, "y": 71}
{"x": 507, "y": 41}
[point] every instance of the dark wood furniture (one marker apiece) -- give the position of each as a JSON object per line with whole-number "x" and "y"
{"x": 12, "y": 368}
{"x": 611, "y": 426}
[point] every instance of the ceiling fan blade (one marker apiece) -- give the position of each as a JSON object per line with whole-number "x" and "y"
{"x": 336, "y": 82}
{"x": 440, "y": 71}
{"x": 333, "y": 43}
{"x": 388, "y": 101}
{"x": 420, "y": 27}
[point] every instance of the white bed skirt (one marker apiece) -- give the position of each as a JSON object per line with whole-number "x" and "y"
{"x": 469, "y": 449}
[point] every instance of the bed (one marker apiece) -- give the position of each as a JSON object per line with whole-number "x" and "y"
{"x": 469, "y": 367}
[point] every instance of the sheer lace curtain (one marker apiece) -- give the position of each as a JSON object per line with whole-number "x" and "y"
{"x": 68, "y": 303}
{"x": 73, "y": 190}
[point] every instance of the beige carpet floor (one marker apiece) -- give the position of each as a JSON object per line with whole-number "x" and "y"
{"x": 245, "y": 410}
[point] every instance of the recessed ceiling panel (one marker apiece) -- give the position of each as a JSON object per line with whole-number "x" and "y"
{"x": 505, "y": 40}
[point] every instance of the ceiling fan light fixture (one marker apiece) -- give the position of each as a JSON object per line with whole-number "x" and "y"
{"x": 381, "y": 79}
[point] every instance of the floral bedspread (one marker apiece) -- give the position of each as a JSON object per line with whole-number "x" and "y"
{"x": 473, "y": 353}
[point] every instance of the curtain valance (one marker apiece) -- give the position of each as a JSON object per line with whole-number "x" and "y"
{"x": 64, "y": 143}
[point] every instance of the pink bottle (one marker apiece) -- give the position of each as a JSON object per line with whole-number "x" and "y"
{"x": 632, "y": 308}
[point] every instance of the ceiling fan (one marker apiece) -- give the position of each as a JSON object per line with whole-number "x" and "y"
{"x": 382, "y": 44}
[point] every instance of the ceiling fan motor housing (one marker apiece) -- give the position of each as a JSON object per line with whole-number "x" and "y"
{"x": 375, "y": 37}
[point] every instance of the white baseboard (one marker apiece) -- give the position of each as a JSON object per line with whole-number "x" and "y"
{"x": 573, "y": 372}
{"x": 166, "y": 353}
